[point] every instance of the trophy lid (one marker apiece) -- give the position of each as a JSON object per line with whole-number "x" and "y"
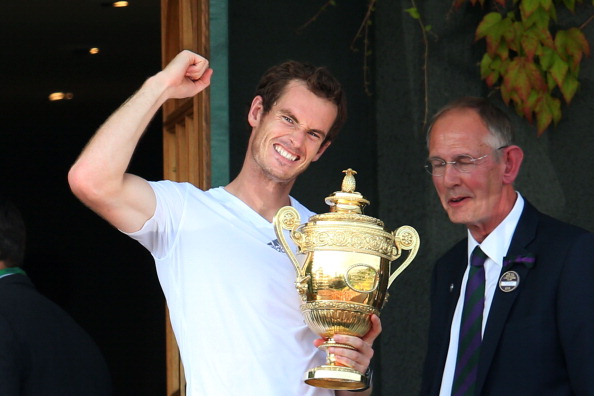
{"x": 347, "y": 200}
{"x": 345, "y": 227}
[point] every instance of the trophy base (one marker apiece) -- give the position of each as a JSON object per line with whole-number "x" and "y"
{"x": 336, "y": 377}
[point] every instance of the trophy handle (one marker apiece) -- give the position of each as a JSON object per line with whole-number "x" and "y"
{"x": 405, "y": 238}
{"x": 287, "y": 218}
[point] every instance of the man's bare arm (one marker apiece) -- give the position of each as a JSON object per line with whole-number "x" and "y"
{"x": 98, "y": 177}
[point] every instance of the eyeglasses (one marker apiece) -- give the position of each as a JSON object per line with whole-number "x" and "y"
{"x": 462, "y": 163}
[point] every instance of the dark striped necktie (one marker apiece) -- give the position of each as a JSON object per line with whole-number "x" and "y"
{"x": 470, "y": 327}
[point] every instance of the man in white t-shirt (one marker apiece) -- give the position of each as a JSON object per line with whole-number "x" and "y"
{"x": 228, "y": 284}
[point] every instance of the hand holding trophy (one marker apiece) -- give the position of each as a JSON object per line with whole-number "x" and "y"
{"x": 343, "y": 273}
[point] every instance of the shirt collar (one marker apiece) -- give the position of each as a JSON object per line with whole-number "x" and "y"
{"x": 496, "y": 244}
{"x": 10, "y": 271}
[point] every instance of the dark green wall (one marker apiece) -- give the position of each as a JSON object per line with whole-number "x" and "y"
{"x": 555, "y": 176}
{"x": 384, "y": 136}
{"x": 262, "y": 34}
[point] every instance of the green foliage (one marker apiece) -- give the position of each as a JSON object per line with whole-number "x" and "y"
{"x": 532, "y": 61}
{"x": 414, "y": 13}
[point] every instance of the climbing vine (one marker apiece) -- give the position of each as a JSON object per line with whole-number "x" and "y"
{"x": 532, "y": 61}
{"x": 529, "y": 57}
{"x": 361, "y": 34}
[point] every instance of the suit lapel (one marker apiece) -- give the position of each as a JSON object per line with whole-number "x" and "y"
{"x": 503, "y": 301}
{"x": 455, "y": 281}
{"x": 449, "y": 298}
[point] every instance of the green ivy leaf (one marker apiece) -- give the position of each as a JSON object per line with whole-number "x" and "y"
{"x": 513, "y": 33}
{"x": 558, "y": 70}
{"x": 547, "y": 111}
{"x": 561, "y": 43}
{"x": 530, "y": 44}
{"x": 531, "y": 103}
{"x": 576, "y": 45}
{"x": 547, "y": 58}
{"x": 490, "y": 70}
{"x": 489, "y": 26}
{"x": 492, "y": 78}
{"x": 527, "y": 7}
{"x": 485, "y": 65}
{"x": 547, "y": 5}
{"x": 413, "y": 12}
{"x": 553, "y": 13}
{"x": 544, "y": 36}
{"x": 569, "y": 88}
{"x": 543, "y": 120}
{"x": 502, "y": 51}
{"x": 536, "y": 76}
{"x": 539, "y": 18}
{"x": 527, "y": 62}
{"x": 492, "y": 28}
{"x": 517, "y": 79}
{"x": 551, "y": 84}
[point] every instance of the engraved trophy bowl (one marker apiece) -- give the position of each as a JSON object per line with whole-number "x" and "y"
{"x": 343, "y": 267}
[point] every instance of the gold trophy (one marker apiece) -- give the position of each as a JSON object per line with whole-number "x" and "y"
{"x": 343, "y": 273}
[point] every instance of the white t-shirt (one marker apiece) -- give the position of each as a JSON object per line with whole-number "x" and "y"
{"x": 231, "y": 296}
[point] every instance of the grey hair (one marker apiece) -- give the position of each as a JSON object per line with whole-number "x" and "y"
{"x": 496, "y": 121}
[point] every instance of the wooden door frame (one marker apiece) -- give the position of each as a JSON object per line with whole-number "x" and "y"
{"x": 186, "y": 131}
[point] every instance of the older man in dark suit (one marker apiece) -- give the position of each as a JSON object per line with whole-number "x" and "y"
{"x": 516, "y": 315}
{"x": 43, "y": 352}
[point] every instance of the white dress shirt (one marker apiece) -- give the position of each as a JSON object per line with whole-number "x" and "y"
{"x": 495, "y": 246}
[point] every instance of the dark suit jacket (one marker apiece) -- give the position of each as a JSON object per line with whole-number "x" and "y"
{"x": 539, "y": 338}
{"x": 43, "y": 352}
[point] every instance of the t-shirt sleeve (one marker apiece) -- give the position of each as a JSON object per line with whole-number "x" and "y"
{"x": 159, "y": 232}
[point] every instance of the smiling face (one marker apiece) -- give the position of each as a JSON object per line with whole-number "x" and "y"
{"x": 482, "y": 198}
{"x": 285, "y": 140}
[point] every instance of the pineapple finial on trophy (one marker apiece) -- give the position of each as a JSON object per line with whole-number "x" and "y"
{"x": 349, "y": 183}
{"x": 347, "y": 200}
